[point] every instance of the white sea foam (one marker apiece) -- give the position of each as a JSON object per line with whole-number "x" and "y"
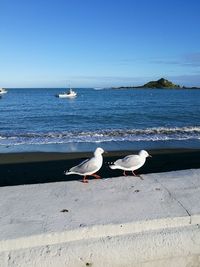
{"x": 107, "y": 135}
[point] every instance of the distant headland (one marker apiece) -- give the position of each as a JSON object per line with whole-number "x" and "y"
{"x": 159, "y": 84}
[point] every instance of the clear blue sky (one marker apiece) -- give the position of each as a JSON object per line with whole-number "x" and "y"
{"x": 50, "y": 43}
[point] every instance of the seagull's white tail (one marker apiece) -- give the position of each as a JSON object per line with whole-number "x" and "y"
{"x": 68, "y": 173}
{"x": 113, "y": 167}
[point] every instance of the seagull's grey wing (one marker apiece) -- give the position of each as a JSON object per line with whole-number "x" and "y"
{"x": 88, "y": 165}
{"x": 128, "y": 161}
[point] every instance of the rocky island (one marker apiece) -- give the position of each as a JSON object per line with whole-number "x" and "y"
{"x": 160, "y": 84}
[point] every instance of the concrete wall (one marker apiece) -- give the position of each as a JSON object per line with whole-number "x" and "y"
{"x": 117, "y": 222}
{"x": 166, "y": 248}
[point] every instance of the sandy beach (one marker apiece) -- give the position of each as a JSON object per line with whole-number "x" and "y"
{"x": 43, "y": 167}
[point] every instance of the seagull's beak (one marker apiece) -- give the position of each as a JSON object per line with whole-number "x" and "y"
{"x": 150, "y": 156}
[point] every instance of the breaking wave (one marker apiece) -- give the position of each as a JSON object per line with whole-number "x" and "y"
{"x": 107, "y": 135}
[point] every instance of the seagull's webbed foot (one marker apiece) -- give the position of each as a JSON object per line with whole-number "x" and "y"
{"x": 85, "y": 180}
{"x": 96, "y": 176}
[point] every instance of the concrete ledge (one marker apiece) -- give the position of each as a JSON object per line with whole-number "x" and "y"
{"x": 168, "y": 247}
{"x": 93, "y": 232}
{"x": 121, "y": 221}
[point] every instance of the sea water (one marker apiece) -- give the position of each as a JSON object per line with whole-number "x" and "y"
{"x": 37, "y": 120}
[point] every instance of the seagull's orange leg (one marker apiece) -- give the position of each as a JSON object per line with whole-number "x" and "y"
{"x": 124, "y": 173}
{"x": 134, "y": 173}
{"x": 85, "y": 181}
{"x": 96, "y": 176}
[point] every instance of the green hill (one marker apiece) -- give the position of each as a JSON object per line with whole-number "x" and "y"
{"x": 161, "y": 83}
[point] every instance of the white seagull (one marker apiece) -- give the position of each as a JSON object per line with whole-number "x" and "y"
{"x": 131, "y": 162}
{"x": 89, "y": 166}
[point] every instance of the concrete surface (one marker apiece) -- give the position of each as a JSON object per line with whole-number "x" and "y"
{"x": 121, "y": 221}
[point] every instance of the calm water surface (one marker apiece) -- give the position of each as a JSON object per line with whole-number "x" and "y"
{"x": 36, "y": 120}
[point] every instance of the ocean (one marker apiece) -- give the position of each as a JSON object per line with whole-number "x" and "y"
{"x": 128, "y": 119}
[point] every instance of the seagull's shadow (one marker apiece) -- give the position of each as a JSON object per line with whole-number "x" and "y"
{"x": 51, "y": 170}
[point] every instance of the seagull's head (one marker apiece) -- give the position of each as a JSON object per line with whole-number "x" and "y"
{"x": 98, "y": 151}
{"x": 144, "y": 153}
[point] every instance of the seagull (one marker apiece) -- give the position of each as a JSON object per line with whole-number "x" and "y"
{"x": 89, "y": 166}
{"x": 131, "y": 162}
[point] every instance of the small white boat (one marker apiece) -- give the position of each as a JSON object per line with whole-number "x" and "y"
{"x": 2, "y": 91}
{"x": 70, "y": 94}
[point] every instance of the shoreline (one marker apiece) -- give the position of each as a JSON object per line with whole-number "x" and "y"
{"x": 44, "y": 167}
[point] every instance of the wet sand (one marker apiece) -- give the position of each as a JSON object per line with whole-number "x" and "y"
{"x": 39, "y": 167}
